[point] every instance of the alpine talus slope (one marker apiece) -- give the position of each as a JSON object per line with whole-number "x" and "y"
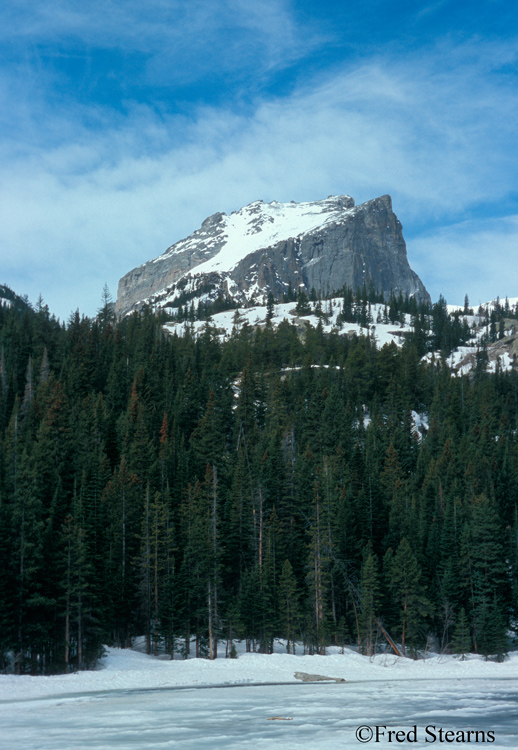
{"x": 267, "y": 247}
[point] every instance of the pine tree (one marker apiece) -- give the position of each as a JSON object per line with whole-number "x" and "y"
{"x": 370, "y": 600}
{"x": 270, "y": 307}
{"x": 106, "y": 313}
{"x": 31, "y": 606}
{"x": 206, "y": 440}
{"x": 121, "y": 500}
{"x": 250, "y": 606}
{"x": 82, "y": 638}
{"x": 395, "y": 488}
{"x": 288, "y": 605}
{"x": 461, "y": 643}
{"x": 482, "y": 564}
{"x": 202, "y": 560}
{"x": 303, "y": 307}
{"x": 157, "y": 573}
{"x": 317, "y": 577}
{"x": 408, "y": 592}
{"x": 491, "y": 630}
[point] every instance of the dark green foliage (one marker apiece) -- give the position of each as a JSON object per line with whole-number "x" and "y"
{"x": 370, "y": 602}
{"x": 173, "y": 487}
{"x": 289, "y": 610}
{"x": 270, "y": 306}
{"x": 303, "y": 307}
{"x": 409, "y": 601}
{"x": 492, "y": 640}
{"x": 461, "y": 642}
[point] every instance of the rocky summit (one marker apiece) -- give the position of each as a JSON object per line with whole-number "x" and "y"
{"x": 268, "y": 247}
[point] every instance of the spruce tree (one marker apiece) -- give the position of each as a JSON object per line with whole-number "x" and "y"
{"x": 461, "y": 642}
{"x": 288, "y": 605}
{"x": 370, "y": 600}
{"x": 303, "y": 307}
{"x": 318, "y": 573}
{"x": 270, "y": 307}
{"x": 408, "y": 592}
{"x": 491, "y": 628}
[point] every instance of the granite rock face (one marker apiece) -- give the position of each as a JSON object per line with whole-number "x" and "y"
{"x": 268, "y": 246}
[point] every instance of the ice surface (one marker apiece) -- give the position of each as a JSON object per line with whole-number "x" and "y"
{"x": 320, "y": 716}
{"x": 139, "y": 701}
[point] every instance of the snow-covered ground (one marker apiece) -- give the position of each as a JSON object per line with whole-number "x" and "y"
{"x": 126, "y": 669}
{"x": 461, "y": 361}
{"x": 224, "y": 322}
{"x": 138, "y": 701}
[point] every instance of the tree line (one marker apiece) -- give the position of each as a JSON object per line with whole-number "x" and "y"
{"x": 269, "y": 486}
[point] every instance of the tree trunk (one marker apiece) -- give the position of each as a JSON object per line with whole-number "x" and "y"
{"x": 209, "y": 604}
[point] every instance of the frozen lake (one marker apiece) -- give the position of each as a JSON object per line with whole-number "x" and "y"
{"x": 320, "y": 716}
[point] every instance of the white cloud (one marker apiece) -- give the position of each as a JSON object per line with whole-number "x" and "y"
{"x": 165, "y": 41}
{"x": 436, "y": 131}
{"x": 473, "y": 257}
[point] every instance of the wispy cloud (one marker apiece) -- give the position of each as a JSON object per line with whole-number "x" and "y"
{"x": 88, "y": 192}
{"x": 432, "y": 8}
{"x": 159, "y": 42}
{"x": 476, "y": 257}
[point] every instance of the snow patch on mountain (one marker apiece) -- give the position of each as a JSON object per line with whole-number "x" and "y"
{"x": 260, "y": 225}
{"x": 266, "y": 247}
{"x": 230, "y": 321}
{"x": 501, "y": 355}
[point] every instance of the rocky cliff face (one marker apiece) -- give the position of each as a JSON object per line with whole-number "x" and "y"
{"x": 268, "y": 246}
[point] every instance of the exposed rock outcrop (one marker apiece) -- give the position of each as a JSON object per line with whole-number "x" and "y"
{"x": 269, "y": 246}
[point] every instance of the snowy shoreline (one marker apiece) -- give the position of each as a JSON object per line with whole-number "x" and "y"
{"x": 126, "y": 669}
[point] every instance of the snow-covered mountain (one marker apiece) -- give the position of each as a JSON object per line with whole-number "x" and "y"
{"x": 500, "y": 353}
{"x": 322, "y": 245}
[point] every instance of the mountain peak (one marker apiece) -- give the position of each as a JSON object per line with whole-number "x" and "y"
{"x": 265, "y": 247}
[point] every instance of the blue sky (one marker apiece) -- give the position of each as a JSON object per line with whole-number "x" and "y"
{"x": 124, "y": 124}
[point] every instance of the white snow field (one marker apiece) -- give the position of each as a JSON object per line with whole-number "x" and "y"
{"x": 260, "y": 225}
{"x": 461, "y": 360}
{"x": 138, "y": 701}
{"x": 223, "y": 322}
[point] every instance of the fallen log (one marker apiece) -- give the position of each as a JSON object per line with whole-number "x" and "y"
{"x": 305, "y": 677}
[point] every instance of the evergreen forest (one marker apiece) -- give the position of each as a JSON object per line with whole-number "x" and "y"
{"x": 195, "y": 492}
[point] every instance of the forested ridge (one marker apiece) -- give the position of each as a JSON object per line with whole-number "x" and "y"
{"x": 261, "y": 487}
